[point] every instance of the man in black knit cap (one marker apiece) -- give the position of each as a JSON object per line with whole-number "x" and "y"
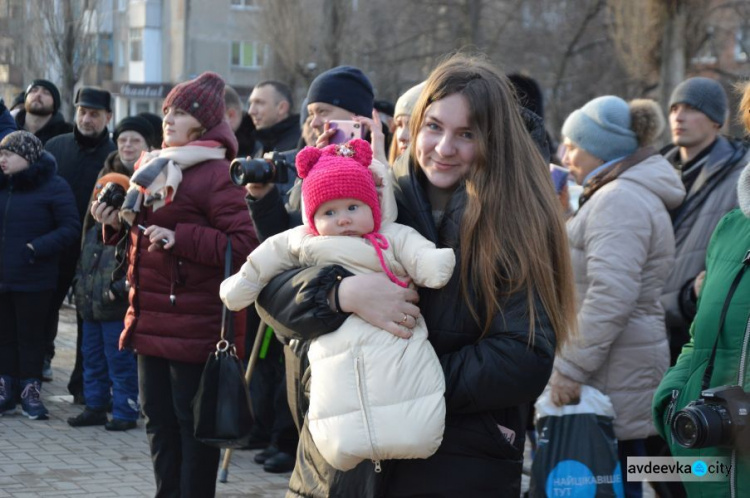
{"x": 41, "y": 113}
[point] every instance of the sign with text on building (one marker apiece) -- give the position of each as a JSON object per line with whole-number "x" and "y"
{"x": 141, "y": 90}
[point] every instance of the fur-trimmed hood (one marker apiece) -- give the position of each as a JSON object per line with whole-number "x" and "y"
{"x": 743, "y": 191}
{"x": 32, "y": 177}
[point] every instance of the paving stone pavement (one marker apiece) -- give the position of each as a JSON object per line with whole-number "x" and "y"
{"x": 50, "y": 458}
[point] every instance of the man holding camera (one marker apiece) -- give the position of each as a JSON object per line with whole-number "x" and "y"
{"x": 80, "y": 156}
{"x": 339, "y": 93}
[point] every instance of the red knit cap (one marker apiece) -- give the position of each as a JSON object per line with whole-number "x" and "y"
{"x": 337, "y": 172}
{"x": 202, "y": 98}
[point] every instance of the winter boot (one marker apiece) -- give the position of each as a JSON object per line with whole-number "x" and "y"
{"x": 89, "y": 417}
{"x": 31, "y": 403}
{"x": 8, "y": 394}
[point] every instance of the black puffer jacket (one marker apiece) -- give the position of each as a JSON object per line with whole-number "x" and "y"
{"x": 37, "y": 208}
{"x": 489, "y": 382}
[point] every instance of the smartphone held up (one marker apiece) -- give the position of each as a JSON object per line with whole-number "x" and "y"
{"x": 345, "y": 130}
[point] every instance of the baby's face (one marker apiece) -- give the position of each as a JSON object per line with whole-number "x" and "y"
{"x": 349, "y": 217}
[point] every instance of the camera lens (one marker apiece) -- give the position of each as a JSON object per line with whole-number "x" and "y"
{"x": 701, "y": 426}
{"x": 244, "y": 171}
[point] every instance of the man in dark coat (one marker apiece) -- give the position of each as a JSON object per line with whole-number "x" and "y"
{"x": 710, "y": 166}
{"x": 80, "y": 156}
{"x": 41, "y": 113}
{"x": 270, "y": 106}
{"x": 275, "y": 130}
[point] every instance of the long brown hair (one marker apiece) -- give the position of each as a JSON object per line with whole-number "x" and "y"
{"x": 512, "y": 233}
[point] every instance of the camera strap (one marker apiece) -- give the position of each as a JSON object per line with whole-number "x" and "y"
{"x": 710, "y": 367}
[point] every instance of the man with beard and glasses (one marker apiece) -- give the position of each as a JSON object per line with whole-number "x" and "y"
{"x": 80, "y": 157}
{"x": 41, "y": 111}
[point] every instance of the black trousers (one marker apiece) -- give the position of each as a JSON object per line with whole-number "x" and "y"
{"x": 183, "y": 466}
{"x": 22, "y": 333}
{"x": 273, "y": 418}
{"x": 65, "y": 275}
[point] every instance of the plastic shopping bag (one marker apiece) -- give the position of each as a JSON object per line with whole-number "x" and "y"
{"x": 576, "y": 455}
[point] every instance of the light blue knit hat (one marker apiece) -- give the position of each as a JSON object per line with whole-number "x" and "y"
{"x": 602, "y": 128}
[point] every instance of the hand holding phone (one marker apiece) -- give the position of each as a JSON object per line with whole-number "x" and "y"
{"x": 160, "y": 242}
{"x": 345, "y": 130}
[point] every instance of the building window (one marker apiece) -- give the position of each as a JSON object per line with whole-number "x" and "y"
{"x": 248, "y": 54}
{"x": 742, "y": 44}
{"x": 104, "y": 49}
{"x": 707, "y": 52}
{"x": 122, "y": 5}
{"x": 244, "y": 4}
{"x": 4, "y": 8}
{"x": 136, "y": 45}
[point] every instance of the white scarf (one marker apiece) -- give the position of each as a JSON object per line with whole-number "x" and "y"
{"x": 158, "y": 175}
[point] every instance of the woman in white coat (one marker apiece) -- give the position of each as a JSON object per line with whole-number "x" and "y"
{"x": 622, "y": 247}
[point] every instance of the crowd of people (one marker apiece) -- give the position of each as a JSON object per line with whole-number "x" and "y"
{"x": 455, "y": 274}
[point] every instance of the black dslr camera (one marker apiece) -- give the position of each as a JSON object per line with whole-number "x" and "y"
{"x": 113, "y": 194}
{"x": 273, "y": 167}
{"x": 718, "y": 418}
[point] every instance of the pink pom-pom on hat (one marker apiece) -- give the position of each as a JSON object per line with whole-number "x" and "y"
{"x": 337, "y": 172}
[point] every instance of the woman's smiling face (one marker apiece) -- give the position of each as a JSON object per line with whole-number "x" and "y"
{"x": 445, "y": 145}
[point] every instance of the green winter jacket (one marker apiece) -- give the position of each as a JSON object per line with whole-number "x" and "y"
{"x": 727, "y": 249}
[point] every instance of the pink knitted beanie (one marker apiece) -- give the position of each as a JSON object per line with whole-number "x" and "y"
{"x": 202, "y": 98}
{"x": 337, "y": 172}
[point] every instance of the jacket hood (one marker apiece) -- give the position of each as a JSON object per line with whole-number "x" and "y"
{"x": 223, "y": 134}
{"x": 32, "y": 177}
{"x": 743, "y": 191}
{"x": 657, "y": 175}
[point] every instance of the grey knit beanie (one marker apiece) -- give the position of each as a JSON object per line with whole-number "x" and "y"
{"x": 602, "y": 128}
{"x": 23, "y": 143}
{"x": 704, "y": 94}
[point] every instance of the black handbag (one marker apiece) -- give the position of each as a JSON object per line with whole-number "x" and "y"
{"x": 221, "y": 406}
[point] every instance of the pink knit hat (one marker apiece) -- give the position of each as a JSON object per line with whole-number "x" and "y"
{"x": 337, "y": 172}
{"x": 202, "y": 98}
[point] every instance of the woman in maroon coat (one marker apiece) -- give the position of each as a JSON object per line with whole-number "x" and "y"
{"x": 184, "y": 199}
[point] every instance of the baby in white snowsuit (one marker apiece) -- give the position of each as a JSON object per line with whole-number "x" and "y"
{"x": 372, "y": 395}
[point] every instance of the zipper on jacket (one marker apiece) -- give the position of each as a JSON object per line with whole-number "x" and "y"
{"x": 733, "y": 476}
{"x": 5, "y": 223}
{"x": 740, "y": 380}
{"x": 743, "y": 356}
{"x": 359, "y": 370}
